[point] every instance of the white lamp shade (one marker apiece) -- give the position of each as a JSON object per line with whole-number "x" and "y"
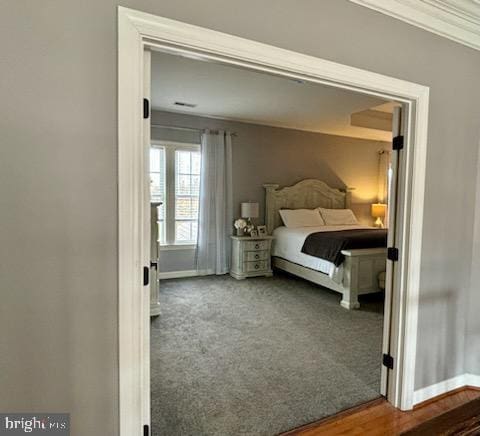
{"x": 249, "y": 210}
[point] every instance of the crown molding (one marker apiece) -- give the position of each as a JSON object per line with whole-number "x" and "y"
{"x": 458, "y": 20}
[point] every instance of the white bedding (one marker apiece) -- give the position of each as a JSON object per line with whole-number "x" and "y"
{"x": 288, "y": 245}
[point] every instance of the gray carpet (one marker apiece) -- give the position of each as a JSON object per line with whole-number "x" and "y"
{"x": 259, "y": 356}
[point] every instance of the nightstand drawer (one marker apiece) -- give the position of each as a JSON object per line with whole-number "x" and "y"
{"x": 255, "y": 266}
{"x": 255, "y": 245}
{"x": 252, "y": 256}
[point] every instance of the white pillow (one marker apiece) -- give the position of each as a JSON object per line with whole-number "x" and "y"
{"x": 293, "y": 218}
{"x": 338, "y": 217}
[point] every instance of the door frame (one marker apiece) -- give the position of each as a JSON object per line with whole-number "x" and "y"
{"x": 139, "y": 30}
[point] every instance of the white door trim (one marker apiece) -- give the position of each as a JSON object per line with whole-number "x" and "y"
{"x": 138, "y": 29}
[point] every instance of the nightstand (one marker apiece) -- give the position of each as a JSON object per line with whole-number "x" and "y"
{"x": 251, "y": 256}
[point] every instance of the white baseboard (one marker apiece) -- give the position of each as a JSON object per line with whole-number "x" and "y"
{"x": 445, "y": 386}
{"x": 182, "y": 274}
{"x": 178, "y": 274}
{"x": 473, "y": 380}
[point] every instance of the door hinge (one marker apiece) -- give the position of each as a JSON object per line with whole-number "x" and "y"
{"x": 146, "y": 275}
{"x": 146, "y": 430}
{"x": 387, "y": 361}
{"x": 392, "y": 254}
{"x": 397, "y": 143}
{"x": 146, "y": 108}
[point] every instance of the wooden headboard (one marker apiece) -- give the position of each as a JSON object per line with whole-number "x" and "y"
{"x": 307, "y": 194}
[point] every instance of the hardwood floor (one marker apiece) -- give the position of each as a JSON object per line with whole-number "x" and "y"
{"x": 380, "y": 418}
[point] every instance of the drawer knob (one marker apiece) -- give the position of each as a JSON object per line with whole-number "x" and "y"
{"x": 257, "y": 246}
{"x": 257, "y": 256}
{"x": 257, "y": 266}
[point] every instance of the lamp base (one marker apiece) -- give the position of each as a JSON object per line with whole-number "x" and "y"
{"x": 379, "y": 223}
{"x": 250, "y": 226}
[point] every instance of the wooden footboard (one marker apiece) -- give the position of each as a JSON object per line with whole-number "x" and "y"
{"x": 361, "y": 270}
{"x": 360, "y": 275}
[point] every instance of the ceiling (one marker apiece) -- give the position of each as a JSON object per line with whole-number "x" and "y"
{"x": 222, "y": 91}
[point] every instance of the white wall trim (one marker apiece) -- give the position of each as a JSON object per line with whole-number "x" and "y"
{"x": 473, "y": 380}
{"x": 456, "y": 20}
{"x": 178, "y": 274}
{"x": 132, "y": 295}
{"x": 136, "y": 30}
{"x": 185, "y": 273}
{"x": 178, "y": 247}
{"x": 445, "y": 386}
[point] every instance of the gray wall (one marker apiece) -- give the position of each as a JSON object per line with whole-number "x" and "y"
{"x": 58, "y": 181}
{"x": 263, "y": 154}
{"x": 472, "y": 349}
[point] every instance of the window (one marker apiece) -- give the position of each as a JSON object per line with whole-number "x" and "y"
{"x": 187, "y": 189}
{"x": 175, "y": 181}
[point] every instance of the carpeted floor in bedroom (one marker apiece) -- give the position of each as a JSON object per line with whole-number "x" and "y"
{"x": 259, "y": 356}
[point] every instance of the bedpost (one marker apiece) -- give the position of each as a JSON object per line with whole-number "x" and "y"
{"x": 348, "y": 198}
{"x": 270, "y": 206}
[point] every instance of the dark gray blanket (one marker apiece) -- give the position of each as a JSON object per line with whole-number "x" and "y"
{"x": 329, "y": 245}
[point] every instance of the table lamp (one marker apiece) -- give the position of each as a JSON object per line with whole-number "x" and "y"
{"x": 379, "y": 211}
{"x": 249, "y": 211}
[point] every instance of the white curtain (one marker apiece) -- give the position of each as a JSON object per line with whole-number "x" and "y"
{"x": 384, "y": 166}
{"x": 215, "y": 220}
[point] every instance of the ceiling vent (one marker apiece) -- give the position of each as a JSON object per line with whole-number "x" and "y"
{"x": 183, "y": 104}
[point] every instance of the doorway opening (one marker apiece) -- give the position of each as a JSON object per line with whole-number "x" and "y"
{"x": 406, "y": 188}
{"x": 267, "y": 335}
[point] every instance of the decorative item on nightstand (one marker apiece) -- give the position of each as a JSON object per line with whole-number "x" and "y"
{"x": 262, "y": 230}
{"x": 249, "y": 210}
{"x": 240, "y": 225}
{"x": 251, "y": 256}
{"x": 379, "y": 211}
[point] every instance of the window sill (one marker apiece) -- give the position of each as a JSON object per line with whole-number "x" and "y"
{"x": 177, "y": 247}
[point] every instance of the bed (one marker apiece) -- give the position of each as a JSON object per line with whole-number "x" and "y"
{"x": 360, "y": 267}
